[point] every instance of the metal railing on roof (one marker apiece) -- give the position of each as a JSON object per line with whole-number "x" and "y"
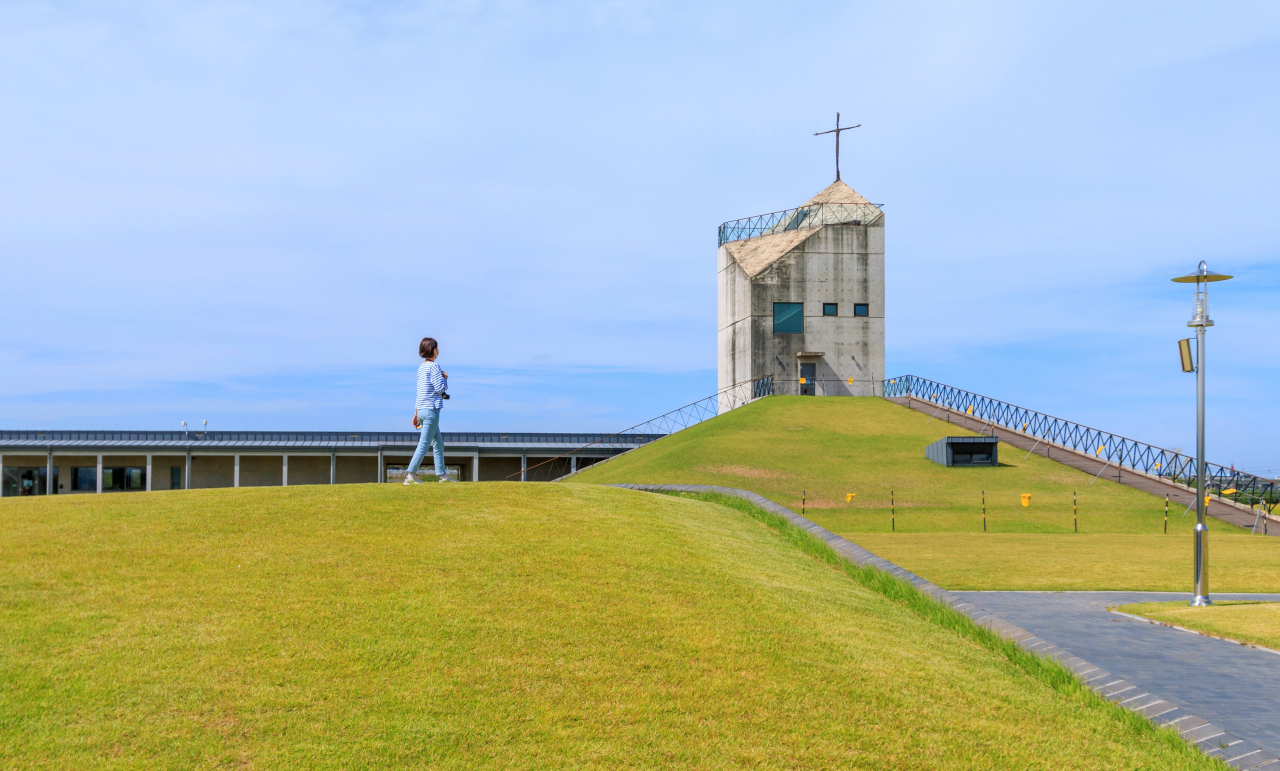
{"x": 1223, "y": 481}
{"x": 799, "y": 218}
{"x": 37, "y": 438}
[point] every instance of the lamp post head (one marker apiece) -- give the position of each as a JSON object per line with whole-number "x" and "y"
{"x": 1201, "y": 275}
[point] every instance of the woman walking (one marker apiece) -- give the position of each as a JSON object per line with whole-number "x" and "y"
{"x": 432, "y": 382}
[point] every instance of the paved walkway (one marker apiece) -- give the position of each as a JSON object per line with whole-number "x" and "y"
{"x": 1234, "y": 686}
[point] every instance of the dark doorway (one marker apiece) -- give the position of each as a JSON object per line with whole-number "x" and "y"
{"x": 808, "y": 372}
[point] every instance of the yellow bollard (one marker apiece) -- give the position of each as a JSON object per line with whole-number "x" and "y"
{"x": 1026, "y": 500}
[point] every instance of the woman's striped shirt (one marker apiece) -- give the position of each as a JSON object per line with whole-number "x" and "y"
{"x": 431, "y": 383}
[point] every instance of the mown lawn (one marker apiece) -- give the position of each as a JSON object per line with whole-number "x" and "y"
{"x": 490, "y": 626}
{"x": 812, "y": 453}
{"x": 1096, "y": 562}
{"x": 1257, "y": 623}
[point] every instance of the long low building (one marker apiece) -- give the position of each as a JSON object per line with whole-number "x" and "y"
{"x": 73, "y": 462}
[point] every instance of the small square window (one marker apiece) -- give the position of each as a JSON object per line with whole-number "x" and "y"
{"x": 830, "y": 309}
{"x": 860, "y": 309}
{"x": 788, "y": 318}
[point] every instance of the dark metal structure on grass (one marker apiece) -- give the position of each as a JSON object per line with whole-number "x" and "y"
{"x": 964, "y": 451}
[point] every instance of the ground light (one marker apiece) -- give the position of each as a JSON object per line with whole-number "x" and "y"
{"x": 1200, "y": 320}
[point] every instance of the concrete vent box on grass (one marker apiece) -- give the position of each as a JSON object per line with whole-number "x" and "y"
{"x": 964, "y": 451}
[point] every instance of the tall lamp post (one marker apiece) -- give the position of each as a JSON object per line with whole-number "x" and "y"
{"x": 1200, "y": 320}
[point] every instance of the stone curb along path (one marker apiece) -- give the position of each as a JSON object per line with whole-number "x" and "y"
{"x": 1237, "y": 752}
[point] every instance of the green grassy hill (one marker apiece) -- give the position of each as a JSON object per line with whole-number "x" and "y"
{"x": 786, "y": 447}
{"x": 491, "y": 626}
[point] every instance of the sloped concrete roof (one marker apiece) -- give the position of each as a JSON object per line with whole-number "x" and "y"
{"x": 837, "y": 192}
{"x": 756, "y": 254}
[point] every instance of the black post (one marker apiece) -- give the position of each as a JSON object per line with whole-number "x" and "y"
{"x": 1166, "y": 513}
{"x": 984, "y": 511}
{"x": 1075, "y": 517}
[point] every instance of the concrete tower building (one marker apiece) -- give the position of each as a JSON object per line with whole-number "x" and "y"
{"x": 801, "y": 297}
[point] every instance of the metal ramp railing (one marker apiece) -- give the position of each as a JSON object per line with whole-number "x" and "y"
{"x": 1223, "y": 481}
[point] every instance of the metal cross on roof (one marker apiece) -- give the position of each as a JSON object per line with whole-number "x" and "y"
{"x": 837, "y": 131}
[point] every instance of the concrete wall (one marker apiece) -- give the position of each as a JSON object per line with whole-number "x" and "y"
{"x": 161, "y": 466}
{"x": 497, "y": 469}
{"x": 308, "y": 470}
{"x": 261, "y": 471}
{"x": 842, "y": 264}
{"x": 734, "y": 321}
{"x": 359, "y": 469}
{"x": 211, "y": 471}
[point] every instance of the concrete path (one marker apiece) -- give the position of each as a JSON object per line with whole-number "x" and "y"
{"x": 1236, "y": 687}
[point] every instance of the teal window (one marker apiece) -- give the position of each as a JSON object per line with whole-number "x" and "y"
{"x": 860, "y": 309}
{"x": 830, "y": 309}
{"x": 788, "y": 318}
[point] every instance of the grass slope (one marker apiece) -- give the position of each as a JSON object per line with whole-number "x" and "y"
{"x": 491, "y": 626}
{"x": 1256, "y": 623}
{"x": 784, "y": 446}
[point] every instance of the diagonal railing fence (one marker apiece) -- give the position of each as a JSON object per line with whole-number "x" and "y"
{"x": 1117, "y": 450}
{"x": 668, "y": 423}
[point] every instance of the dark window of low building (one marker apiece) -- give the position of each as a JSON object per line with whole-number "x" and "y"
{"x": 84, "y": 478}
{"x": 30, "y": 480}
{"x": 830, "y": 309}
{"x": 175, "y": 477}
{"x": 788, "y": 318}
{"x": 861, "y": 309}
{"x": 119, "y": 479}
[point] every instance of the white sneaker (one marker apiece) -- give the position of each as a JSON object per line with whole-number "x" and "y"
{"x": 447, "y": 478}
{"x": 409, "y": 479}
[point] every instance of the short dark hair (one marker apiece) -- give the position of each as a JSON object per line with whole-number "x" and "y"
{"x": 428, "y": 347}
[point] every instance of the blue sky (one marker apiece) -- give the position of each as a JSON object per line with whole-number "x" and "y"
{"x": 250, "y": 212}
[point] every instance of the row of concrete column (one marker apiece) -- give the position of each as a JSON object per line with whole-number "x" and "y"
{"x": 256, "y": 475}
{"x": 284, "y": 470}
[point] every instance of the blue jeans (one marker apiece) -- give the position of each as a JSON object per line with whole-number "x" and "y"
{"x": 430, "y": 420}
